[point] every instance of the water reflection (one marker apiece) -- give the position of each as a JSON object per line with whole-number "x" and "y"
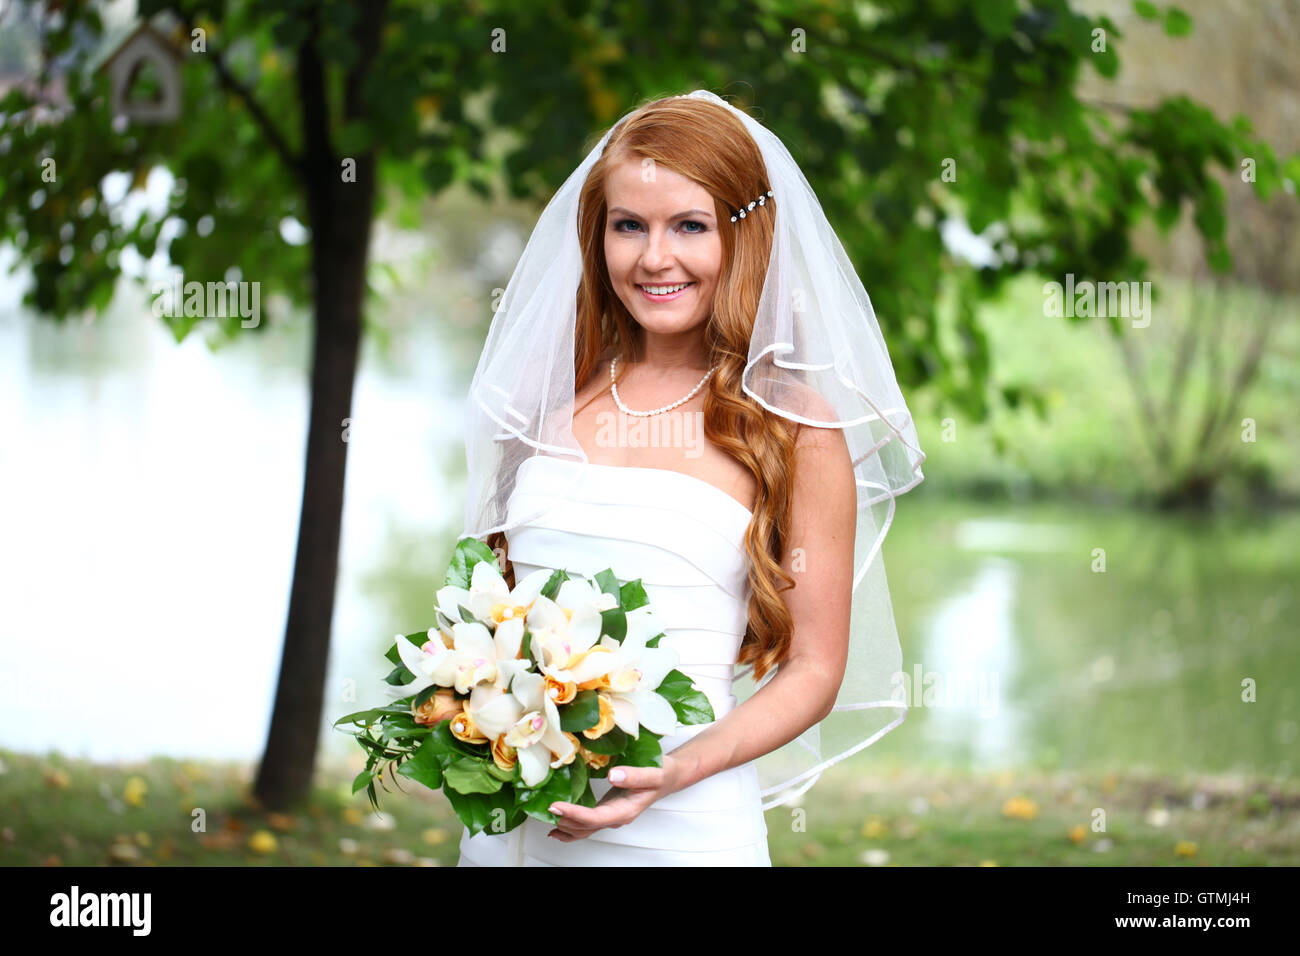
{"x": 968, "y": 658}
{"x": 1120, "y": 639}
{"x": 150, "y": 498}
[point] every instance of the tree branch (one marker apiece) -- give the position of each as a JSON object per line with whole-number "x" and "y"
{"x": 368, "y": 42}
{"x": 1148, "y": 420}
{"x": 233, "y": 85}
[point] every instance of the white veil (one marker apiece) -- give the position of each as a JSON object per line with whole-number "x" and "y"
{"x": 816, "y": 325}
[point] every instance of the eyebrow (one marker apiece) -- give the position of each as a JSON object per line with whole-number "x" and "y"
{"x": 689, "y": 212}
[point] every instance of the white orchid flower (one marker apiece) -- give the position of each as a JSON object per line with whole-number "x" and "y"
{"x": 491, "y": 600}
{"x": 580, "y": 595}
{"x": 476, "y": 657}
{"x": 494, "y": 709}
{"x": 426, "y": 662}
{"x": 565, "y": 632}
{"x": 480, "y": 656}
{"x": 535, "y": 733}
{"x": 635, "y": 671}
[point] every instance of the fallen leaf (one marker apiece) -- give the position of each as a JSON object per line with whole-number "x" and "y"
{"x": 1020, "y": 808}
{"x": 134, "y": 791}
{"x": 262, "y": 841}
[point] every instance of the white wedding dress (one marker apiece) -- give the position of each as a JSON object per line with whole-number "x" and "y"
{"x": 684, "y": 538}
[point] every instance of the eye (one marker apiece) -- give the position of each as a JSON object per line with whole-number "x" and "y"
{"x": 619, "y": 223}
{"x": 695, "y": 222}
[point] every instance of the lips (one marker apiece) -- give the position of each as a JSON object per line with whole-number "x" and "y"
{"x": 665, "y": 290}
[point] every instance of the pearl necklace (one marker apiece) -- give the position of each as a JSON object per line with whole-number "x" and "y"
{"x": 613, "y": 386}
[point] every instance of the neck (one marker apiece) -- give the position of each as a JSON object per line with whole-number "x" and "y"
{"x": 677, "y": 353}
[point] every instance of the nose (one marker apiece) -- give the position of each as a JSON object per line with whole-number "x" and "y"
{"x": 658, "y": 252}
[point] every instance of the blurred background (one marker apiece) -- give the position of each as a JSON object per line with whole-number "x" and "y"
{"x": 1095, "y": 586}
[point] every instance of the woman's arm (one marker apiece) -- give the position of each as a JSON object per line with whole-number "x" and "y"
{"x": 819, "y": 556}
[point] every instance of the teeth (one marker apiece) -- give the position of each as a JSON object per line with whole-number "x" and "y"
{"x": 664, "y": 289}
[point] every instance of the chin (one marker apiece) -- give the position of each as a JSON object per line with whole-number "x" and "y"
{"x": 659, "y": 326}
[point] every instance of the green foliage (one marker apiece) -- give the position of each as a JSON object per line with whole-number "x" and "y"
{"x": 899, "y": 119}
{"x": 469, "y": 552}
{"x": 692, "y": 706}
{"x": 582, "y": 713}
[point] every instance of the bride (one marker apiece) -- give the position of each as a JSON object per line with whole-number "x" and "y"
{"x": 685, "y": 382}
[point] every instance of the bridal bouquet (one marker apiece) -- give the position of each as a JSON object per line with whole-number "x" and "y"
{"x": 516, "y": 698}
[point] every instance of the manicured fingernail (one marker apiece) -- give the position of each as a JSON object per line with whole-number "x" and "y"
{"x": 617, "y": 776}
{"x": 557, "y": 811}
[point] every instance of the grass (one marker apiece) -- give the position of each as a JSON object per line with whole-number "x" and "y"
{"x": 62, "y": 811}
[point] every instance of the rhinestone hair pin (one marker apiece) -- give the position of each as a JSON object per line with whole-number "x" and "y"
{"x": 760, "y": 201}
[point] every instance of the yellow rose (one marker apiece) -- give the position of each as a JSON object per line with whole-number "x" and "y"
{"x": 503, "y": 755}
{"x": 594, "y": 760}
{"x": 436, "y": 709}
{"x": 560, "y": 692}
{"x": 464, "y": 729}
{"x": 606, "y": 719}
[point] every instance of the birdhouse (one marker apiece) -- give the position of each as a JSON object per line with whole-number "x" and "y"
{"x": 146, "y": 77}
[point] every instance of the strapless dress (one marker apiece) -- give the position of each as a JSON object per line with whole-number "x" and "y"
{"x": 684, "y": 538}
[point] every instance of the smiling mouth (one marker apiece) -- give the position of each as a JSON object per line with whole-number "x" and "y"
{"x": 664, "y": 290}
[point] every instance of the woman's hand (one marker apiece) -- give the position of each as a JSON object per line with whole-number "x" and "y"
{"x": 641, "y": 787}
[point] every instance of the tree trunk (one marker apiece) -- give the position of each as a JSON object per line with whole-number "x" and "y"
{"x": 288, "y": 763}
{"x": 340, "y": 213}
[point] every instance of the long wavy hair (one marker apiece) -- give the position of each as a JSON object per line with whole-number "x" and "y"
{"x": 707, "y": 144}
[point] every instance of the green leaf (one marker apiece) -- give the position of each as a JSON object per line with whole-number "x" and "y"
{"x": 481, "y": 812}
{"x": 995, "y": 17}
{"x": 691, "y": 706}
{"x": 354, "y": 138}
{"x": 399, "y": 675}
{"x": 363, "y": 778}
{"x": 424, "y": 766}
{"x": 1146, "y": 10}
{"x": 469, "y": 775}
{"x": 373, "y": 746}
{"x": 578, "y": 776}
{"x": 632, "y": 595}
{"x": 581, "y": 713}
{"x": 643, "y": 751}
{"x": 469, "y": 552}
{"x": 402, "y": 725}
{"x": 558, "y": 787}
{"x": 606, "y": 581}
{"x": 552, "y": 585}
{"x": 365, "y": 717}
{"x": 614, "y": 623}
{"x": 1177, "y": 23}
{"x": 448, "y": 748}
{"x": 612, "y": 742}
